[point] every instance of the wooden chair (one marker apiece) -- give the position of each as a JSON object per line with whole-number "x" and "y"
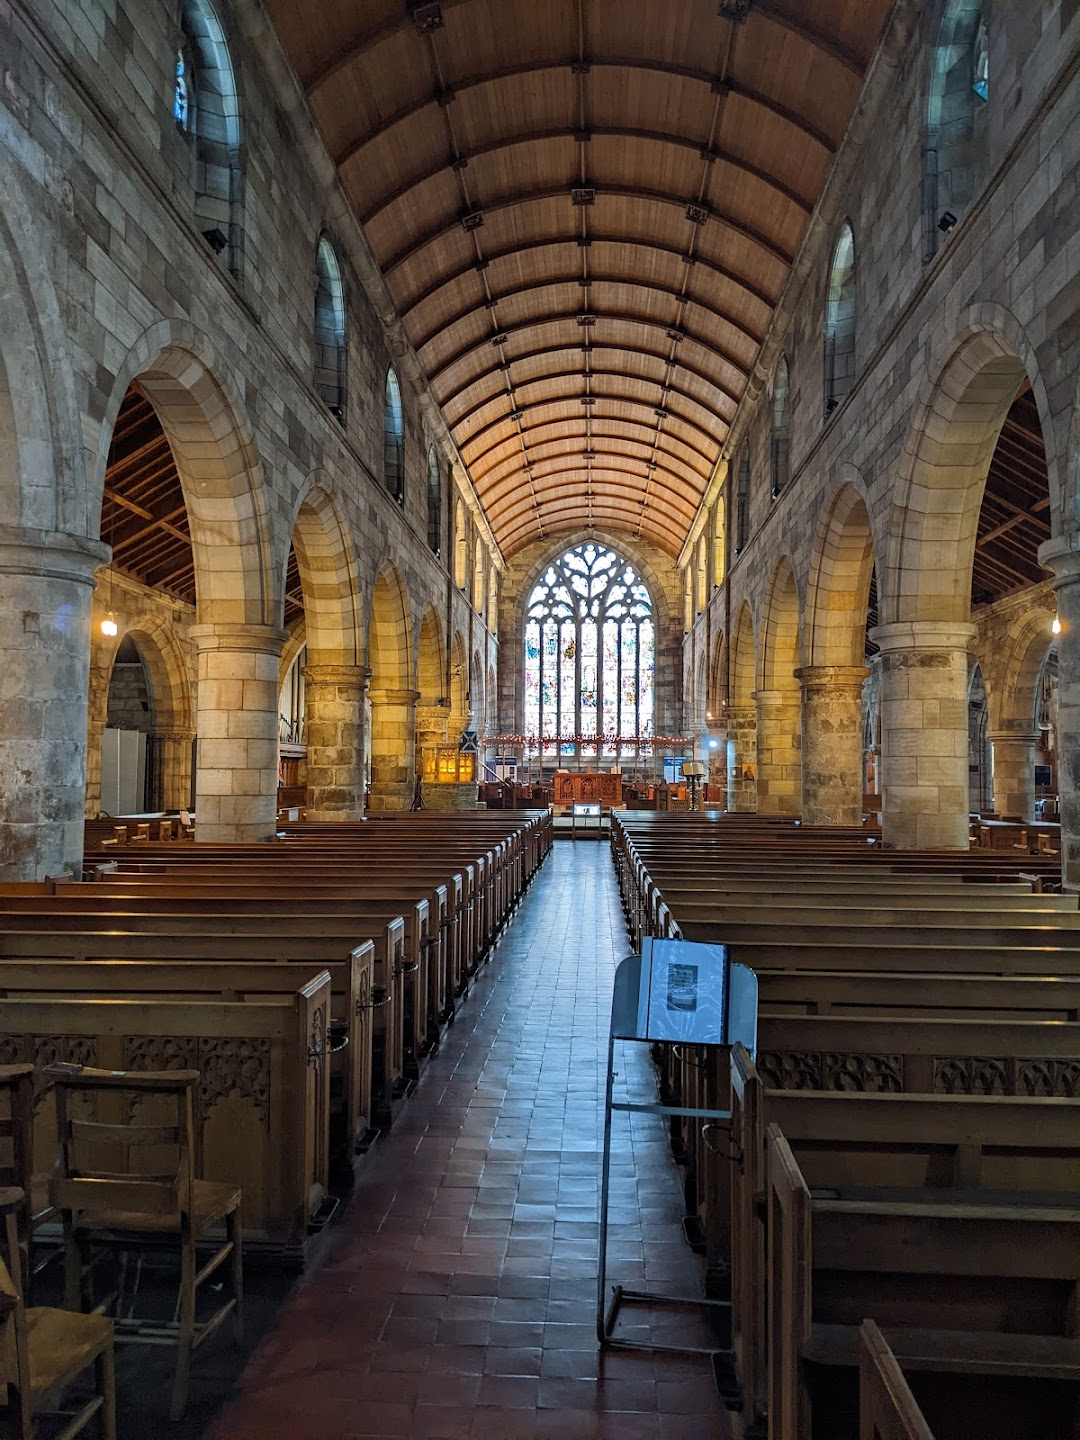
{"x": 42, "y": 1352}
{"x": 17, "y": 1158}
{"x": 114, "y": 1199}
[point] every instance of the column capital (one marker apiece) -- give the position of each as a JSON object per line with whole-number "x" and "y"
{"x": 339, "y": 675}
{"x": 1019, "y": 737}
{"x": 51, "y": 554}
{"x": 832, "y": 677}
{"x": 1061, "y": 556}
{"x": 257, "y": 639}
{"x": 923, "y": 635}
{"x": 394, "y": 697}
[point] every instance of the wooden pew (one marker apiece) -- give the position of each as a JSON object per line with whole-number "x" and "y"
{"x": 965, "y": 1290}
{"x": 246, "y": 980}
{"x": 864, "y": 1146}
{"x": 887, "y": 1408}
{"x": 103, "y": 934}
{"x": 263, "y": 1119}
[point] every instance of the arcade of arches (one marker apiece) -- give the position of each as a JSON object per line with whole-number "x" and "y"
{"x": 299, "y": 417}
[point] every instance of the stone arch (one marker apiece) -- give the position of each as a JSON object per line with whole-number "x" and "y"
{"x": 326, "y": 556}
{"x": 393, "y": 437}
{"x": 393, "y": 700}
{"x": 431, "y": 659}
{"x": 1013, "y": 700}
{"x": 742, "y": 716}
{"x": 946, "y": 459}
{"x": 476, "y": 689}
{"x": 717, "y": 694}
{"x": 461, "y": 545}
{"x": 957, "y": 119}
{"x": 720, "y": 539}
{"x": 459, "y": 682}
{"x": 206, "y": 106}
{"x": 839, "y": 588}
{"x": 331, "y": 346}
{"x": 840, "y": 320}
{"x": 779, "y": 769}
{"x": 479, "y": 576}
{"x": 225, "y": 490}
{"x": 42, "y": 472}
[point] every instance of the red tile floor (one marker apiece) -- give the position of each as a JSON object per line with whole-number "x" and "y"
{"x": 458, "y": 1296}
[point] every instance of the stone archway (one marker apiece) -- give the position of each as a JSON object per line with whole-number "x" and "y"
{"x": 779, "y": 761}
{"x": 742, "y": 717}
{"x": 393, "y": 698}
{"x": 238, "y": 595}
{"x": 335, "y": 678}
{"x": 433, "y": 717}
{"x": 832, "y": 681}
{"x": 926, "y": 601}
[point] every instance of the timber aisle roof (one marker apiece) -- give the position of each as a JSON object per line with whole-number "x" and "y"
{"x": 585, "y": 211}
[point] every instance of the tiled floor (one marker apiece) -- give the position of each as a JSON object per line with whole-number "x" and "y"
{"x": 458, "y": 1299}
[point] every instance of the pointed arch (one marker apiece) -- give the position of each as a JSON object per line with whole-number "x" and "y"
{"x": 431, "y": 659}
{"x": 781, "y": 428}
{"x": 389, "y": 637}
{"x": 326, "y": 556}
{"x": 217, "y": 461}
{"x": 459, "y": 680}
{"x": 743, "y": 660}
{"x": 206, "y": 106}
{"x": 742, "y": 500}
{"x": 840, "y": 321}
{"x": 434, "y": 502}
{"x": 479, "y": 576}
{"x": 331, "y": 348}
{"x": 720, "y": 538}
{"x": 956, "y": 158}
{"x": 780, "y": 635}
{"x": 393, "y": 438}
{"x": 839, "y": 589}
{"x": 946, "y": 460}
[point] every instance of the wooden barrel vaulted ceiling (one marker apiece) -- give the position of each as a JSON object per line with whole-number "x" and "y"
{"x": 585, "y": 211}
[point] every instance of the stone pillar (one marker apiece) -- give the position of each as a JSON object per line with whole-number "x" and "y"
{"x": 175, "y": 768}
{"x": 741, "y": 757}
{"x": 1014, "y": 772}
{"x": 832, "y": 767}
{"x": 1062, "y": 558}
{"x": 393, "y": 748}
{"x": 779, "y": 759}
{"x": 924, "y": 733}
{"x": 46, "y": 583}
{"x": 237, "y": 761}
{"x": 96, "y": 718}
{"x": 334, "y": 729}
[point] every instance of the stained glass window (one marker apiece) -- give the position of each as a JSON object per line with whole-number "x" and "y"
{"x": 181, "y": 95}
{"x": 589, "y": 655}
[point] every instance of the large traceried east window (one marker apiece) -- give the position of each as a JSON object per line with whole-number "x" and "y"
{"x": 590, "y": 652}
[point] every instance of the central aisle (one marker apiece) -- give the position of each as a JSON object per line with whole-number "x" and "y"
{"x": 458, "y": 1298}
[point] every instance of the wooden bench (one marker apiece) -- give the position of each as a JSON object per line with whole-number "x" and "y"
{"x": 964, "y": 1290}
{"x": 246, "y": 980}
{"x": 263, "y": 1104}
{"x": 103, "y": 934}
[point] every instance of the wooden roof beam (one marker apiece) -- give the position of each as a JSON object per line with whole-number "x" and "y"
{"x": 527, "y": 430}
{"x": 574, "y": 401}
{"x": 623, "y": 192}
{"x": 636, "y": 283}
{"x": 571, "y": 132}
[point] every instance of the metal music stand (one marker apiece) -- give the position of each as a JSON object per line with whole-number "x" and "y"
{"x": 686, "y": 993}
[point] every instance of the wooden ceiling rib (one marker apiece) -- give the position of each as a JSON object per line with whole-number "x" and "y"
{"x": 585, "y": 214}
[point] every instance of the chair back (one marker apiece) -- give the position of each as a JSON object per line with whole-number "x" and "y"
{"x": 14, "y": 1347}
{"x": 113, "y": 1161}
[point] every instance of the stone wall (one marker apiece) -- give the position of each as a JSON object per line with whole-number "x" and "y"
{"x": 893, "y": 475}
{"x": 107, "y": 278}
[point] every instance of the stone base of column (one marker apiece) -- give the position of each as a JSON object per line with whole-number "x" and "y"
{"x": 236, "y": 781}
{"x": 924, "y": 734}
{"x": 832, "y": 778}
{"x": 779, "y": 755}
{"x": 334, "y": 731}
{"x": 742, "y": 758}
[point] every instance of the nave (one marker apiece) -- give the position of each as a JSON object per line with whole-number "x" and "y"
{"x": 457, "y": 1299}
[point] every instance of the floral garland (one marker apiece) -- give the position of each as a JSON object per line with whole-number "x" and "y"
{"x": 547, "y": 740}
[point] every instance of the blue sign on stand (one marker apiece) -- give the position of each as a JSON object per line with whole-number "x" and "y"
{"x": 683, "y": 993}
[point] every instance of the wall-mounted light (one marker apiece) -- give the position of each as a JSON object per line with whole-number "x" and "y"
{"x": 713, "y": 744}
{"x": 1055, "y": 628}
